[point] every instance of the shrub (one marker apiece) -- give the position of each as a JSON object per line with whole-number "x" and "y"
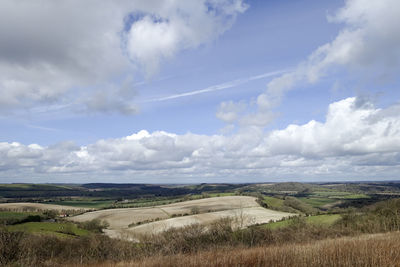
{"x": 95, "y": 225}
{"x": 31, "y": 218}
{"x": 195, "y": 210}
{"x": 24, "y": 249}
{"x": 10, "y": 243}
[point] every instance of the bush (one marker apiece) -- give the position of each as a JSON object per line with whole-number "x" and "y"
{"x": 195, "y": 210}
{"x": 94, "y": 225}
{"x": 31, "y": 218}
{"x": 24, "y": 249}
{"x": 10, "y": 243}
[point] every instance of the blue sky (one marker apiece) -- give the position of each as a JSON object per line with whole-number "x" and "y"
{"x": 216, "y": 91}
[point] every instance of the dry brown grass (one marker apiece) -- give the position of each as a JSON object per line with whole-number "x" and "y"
{"x": 366, "y": 250}
{"x": 298, "y": 244}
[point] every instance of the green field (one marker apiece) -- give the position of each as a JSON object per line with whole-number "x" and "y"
{"x": 34, "y": 187}
{"x": 317, "y": 202}
{"x": 10, "y": 217}
{"x": 338, "y": 195}
{"x": 16, "y": 215}
{"x": 226, "y": 194}
{"x": 326, "y": 219}
{"x": 274, "y": 202}
{"x": 59, "y": 229}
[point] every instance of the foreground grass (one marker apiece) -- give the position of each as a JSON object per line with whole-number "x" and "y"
{"x": 348, "y": 242}
{"x": 366, "y": 250}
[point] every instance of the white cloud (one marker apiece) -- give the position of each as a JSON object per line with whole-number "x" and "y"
{"x": 348, "y": 130}
{"x": 149, "y": 42}
{"x": 67, "y": 51}
{"x": 174, "y": 26}
{"x": 48, "y": 47}
{"x": 229, "y": 111}
{"x": 357, "y": 141}
{"x": 368, "y": 42}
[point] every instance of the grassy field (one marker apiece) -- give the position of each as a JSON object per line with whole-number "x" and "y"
{"x": 317, "y": 202}
{"x": 326, "y": 219}
{"x": 300, "y": 241}
{"x": 59, "y": 229}
{"x": 273, "y": 202}
{"x": 312, "y": 202}
{"x": 225, "y": 194}
{"x": 16, "y": 186}
{"x": 35, "y": 187}
{"x": 16, "y": 215}
{"x": 338, "y": 195}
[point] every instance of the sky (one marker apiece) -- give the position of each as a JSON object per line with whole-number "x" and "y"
{"x": 163, "y": 91}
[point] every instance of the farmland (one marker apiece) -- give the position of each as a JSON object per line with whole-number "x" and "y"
{"x": 209, "y": 209}
{"x": 99, "y": 221}
{"x": 58, "y": 229}
{"x": 240, "y": 218}
{"x": 23, "y": 206}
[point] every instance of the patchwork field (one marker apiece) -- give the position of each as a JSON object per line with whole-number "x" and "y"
{"x": 124, "y": 222}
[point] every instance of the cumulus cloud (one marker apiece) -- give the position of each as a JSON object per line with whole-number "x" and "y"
{"x": 229, "y": 111}
{"x": 49, "y": 47}
{"x": 368, "y": 42}
{"x": 355, "y": 141}
{"x": 54, "y": 51}
{"x": 349, "y": 130}
{"x": 173, "y": 26}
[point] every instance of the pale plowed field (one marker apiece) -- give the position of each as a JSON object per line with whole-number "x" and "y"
{"x": 240, "y": 217}
{"x": 210, "y": 209}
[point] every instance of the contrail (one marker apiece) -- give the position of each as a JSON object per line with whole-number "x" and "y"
{"x": 42, "y": 128}
{"x": 219, "y": 87}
